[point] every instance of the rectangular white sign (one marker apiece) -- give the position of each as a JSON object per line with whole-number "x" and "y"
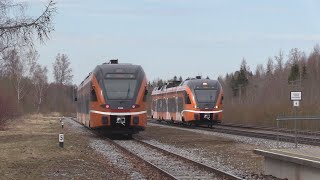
{"x": 296, "y": 95}
{"x": 61, "y": 137}
{"x": 296, "y": 103}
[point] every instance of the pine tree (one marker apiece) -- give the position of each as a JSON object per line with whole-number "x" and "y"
{"x": 294, "y": 73}
{"x": 233, "y": 85}
{"x": 242, "y": 78}
{"x": 304, "y": 72}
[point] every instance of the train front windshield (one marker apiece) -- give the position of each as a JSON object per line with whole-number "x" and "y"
{"x": 206, "y": 95}
{"x": 120, "y": 88}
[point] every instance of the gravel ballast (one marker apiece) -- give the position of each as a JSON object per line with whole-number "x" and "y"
{"x": 173, "y": 165}
{"x": 116, "y": 158}
{"x": 230, "y": 153}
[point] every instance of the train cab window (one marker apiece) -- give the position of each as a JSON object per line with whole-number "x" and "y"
{"x": 187, "y": 98}
{"x": 93, "y": 95}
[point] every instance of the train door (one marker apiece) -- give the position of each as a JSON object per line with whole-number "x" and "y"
{"x": 155, "y": 110}
{"x": 178, "y": 114}
{"x": 168, "y": 116}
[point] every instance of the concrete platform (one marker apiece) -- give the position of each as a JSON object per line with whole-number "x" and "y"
{"x": 293, "y": 164}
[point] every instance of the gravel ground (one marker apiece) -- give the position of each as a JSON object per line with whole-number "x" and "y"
{"x": 230, "y": 153}
{"x": 262, "y": 143}
{"x": 116, "y": 158}
{"x": 173, "y": 165}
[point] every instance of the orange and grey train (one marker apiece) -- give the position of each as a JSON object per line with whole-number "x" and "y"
{"x": 113, "y": 99}
{"x": 193, "y": 101}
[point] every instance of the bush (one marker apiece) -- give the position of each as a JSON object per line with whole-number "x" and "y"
{"x": 8, "y": 107}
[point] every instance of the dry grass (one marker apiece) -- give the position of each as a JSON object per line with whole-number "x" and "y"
{"x": 265, "y": 115}
{"x": 29, "y": 150}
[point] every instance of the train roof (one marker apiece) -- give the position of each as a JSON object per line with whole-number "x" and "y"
{"x": 113, "y": 67}
{"x": 198, "y": 82}
{"x": 118, "y": 68}
{"x": 192, "y": 83}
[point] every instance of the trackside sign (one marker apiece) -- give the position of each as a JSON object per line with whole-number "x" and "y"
{"x": 296, "y": 95}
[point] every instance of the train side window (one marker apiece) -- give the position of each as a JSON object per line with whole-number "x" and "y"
{"x": 187, "y": 98}
{"x": 93, "y": 95}
{"x": 222, "y": 100}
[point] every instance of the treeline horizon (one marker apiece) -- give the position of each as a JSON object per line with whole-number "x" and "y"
{"x": 257, "y": 98}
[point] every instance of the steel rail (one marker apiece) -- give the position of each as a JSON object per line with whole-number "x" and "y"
{"x": 222, "y": 174}
{"x": 162, "y": 172}
{"x": 251, "y": 132}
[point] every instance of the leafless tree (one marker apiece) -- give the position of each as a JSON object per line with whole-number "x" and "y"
{"x": 61, "y": 70}
{"x": 16, "y": 27}
{"x": 19, "y": 66}
{"x": 294, "y": 56}
{"x": 270, "y": 67}
{"x": 259, "y": 71}
{"x": 280, "y": 61}
{"x": 40, "y": 82}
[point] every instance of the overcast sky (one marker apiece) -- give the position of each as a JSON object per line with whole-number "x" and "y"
{"x": 178, "y": 37}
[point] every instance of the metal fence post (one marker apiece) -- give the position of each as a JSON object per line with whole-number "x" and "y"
{"x": 278, "y": 133}
{"x": 295, "y": 127}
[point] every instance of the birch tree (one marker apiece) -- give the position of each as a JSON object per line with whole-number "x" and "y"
{"x": 61, "y": 70}
{"x": 40, "y": 83}
{"x": 19, "y": 66}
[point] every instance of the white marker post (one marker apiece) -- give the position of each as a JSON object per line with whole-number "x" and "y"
{"x": 296, "y": 103}
{"x": 62, "y": 125}
{"x": 61, "y": 140}
{"x": 296, "y": 97}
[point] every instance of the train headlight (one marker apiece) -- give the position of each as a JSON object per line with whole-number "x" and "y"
{"x": 107, "y": 106}
{"x": 196, "y": 107}
{"x": 134, "y": 106}
{"x": 216, "y": 107}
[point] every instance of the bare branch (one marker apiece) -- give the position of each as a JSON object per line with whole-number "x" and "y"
{"x": 61, "y": 70}
{"x": 24, "y": 28}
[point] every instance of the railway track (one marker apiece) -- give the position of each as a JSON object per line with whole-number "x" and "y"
{"x": 171, "y": 165}
{"x": 264, "y": 133}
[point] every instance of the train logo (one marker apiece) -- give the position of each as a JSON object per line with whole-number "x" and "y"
{"x": 206, "y": 116}
{"x": 121, "y": 120}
